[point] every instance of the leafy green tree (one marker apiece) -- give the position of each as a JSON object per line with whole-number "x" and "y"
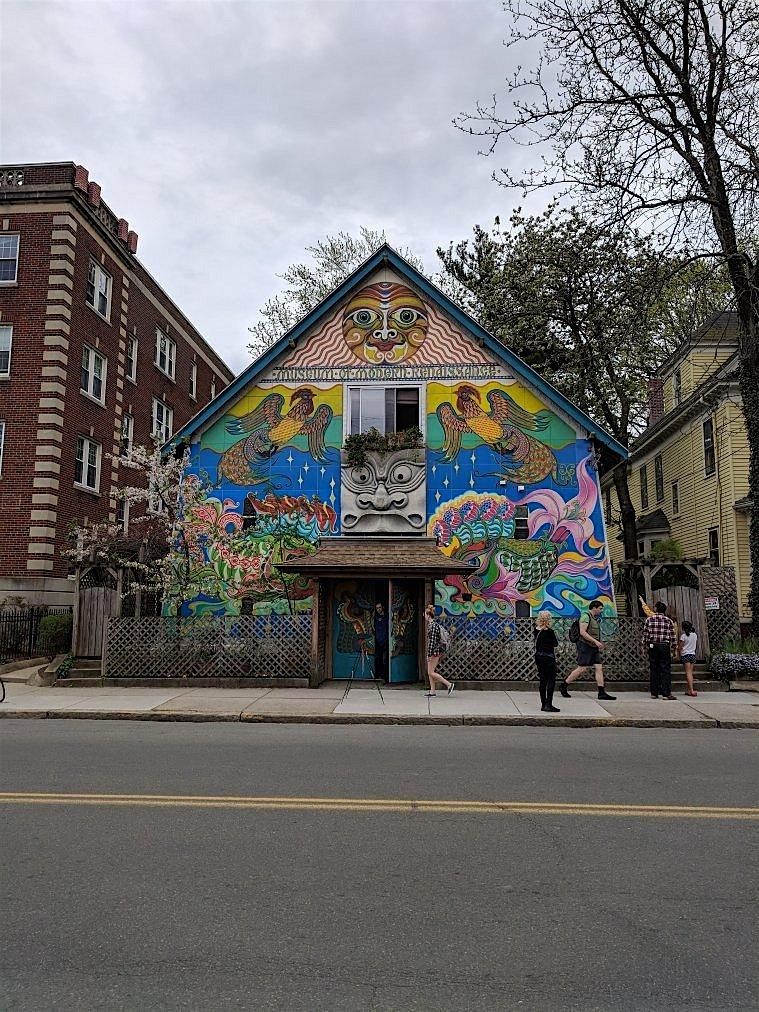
{"x": 592, "y": 307}
{"x": 333, "y": 258}
{"x": 651, "y": 106}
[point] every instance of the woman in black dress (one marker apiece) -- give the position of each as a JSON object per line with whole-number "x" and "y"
{"x": 545, "y": 659}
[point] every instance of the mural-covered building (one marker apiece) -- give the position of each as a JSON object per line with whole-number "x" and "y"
{"x": 488, "y": 500}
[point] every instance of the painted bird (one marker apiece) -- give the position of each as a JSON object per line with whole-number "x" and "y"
{"x": 267, "y": 430}
{"x": 523, "y": 458}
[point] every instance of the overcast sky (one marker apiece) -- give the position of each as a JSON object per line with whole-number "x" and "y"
{"x": 233, "y": 135}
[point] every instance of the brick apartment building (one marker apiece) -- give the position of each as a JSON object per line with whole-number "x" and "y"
{"x": 93, "y": 352}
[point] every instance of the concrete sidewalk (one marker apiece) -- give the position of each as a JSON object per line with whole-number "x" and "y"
{"x": 326, "y": 705}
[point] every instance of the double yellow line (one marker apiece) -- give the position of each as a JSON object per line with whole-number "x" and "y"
{"x": 377, "y": 805}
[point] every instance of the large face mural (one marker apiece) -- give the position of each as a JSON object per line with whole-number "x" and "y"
{"x": 385, "y": 494}
{"x": 384, "y": 324}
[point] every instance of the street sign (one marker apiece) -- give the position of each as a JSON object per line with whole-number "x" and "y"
{"x": 711, "y": 603}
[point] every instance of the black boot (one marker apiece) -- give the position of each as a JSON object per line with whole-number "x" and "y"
{"x": 603, "y": 694}
{"x": 564, "y": 690}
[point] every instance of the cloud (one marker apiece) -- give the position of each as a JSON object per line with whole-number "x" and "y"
{"x": 232, "y": 135}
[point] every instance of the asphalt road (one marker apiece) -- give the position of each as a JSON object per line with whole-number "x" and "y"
{"x": 159, "y": 906}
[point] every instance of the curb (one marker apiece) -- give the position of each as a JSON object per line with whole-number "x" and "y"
{"x": 191, "y": 716}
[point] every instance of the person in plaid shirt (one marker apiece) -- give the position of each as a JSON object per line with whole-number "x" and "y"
{"x": 659, "y": 639}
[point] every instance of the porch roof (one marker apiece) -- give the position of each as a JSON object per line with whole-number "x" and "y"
{"x": 388, "y": 557}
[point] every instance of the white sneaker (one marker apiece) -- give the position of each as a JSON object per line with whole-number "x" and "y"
{"x": 451, "y": 687}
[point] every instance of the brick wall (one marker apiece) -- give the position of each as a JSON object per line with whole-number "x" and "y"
{"x": 62, "y": 230}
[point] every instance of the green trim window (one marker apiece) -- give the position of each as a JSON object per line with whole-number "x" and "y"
{"x": 659, "y": 477}
{"x": 675, "y": 497}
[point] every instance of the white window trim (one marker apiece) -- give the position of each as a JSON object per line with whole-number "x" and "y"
{"x": 8, "y": 326}
{"x": 421, "y": 387}
{"x": 98, "y": 464}
{"x": 14, "y": 279}
{"x": 88, "y": 393}
{"x": 194, "y": 381}
{"x": 132, "y": 377}
{"x": 171, "y": 354}
{"x": 154, "y": 421}
{"x": 128, "y": 433}
{"x": 125, "y": 519}
{"x": 109, "y": 297}
{"x": 709, "y": 474}
{"x": 2, "y": 446}
{"x": 676, "y": 512}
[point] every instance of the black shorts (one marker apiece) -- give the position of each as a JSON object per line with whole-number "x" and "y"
{"x": 587, "y": 655}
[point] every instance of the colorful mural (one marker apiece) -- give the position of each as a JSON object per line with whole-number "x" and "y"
{"x": 504, "y": 481}
{"x": 561, "y": 564}
{"x": 384, "y": 324}
{"x": 501, "y": 434}
{"x": 234, "y": 554}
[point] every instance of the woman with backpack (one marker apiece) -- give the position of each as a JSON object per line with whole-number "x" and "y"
{"x": 436, "y": 644}
{"x": 545, "y": 659}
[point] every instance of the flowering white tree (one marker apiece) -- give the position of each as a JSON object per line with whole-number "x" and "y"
{"x": 157, "y": 543}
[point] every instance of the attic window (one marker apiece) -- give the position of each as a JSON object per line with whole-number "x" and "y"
{"x": 387, "y": 409}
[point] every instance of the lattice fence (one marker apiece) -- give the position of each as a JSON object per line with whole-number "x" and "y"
{"x": 722, "y": 622}
{"x": 493, "y": 648}
{"x": 247, "y": 646}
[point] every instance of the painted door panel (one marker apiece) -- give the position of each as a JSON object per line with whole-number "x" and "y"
{"x": 353, "y": 627}
{"x": 404, "y": 632}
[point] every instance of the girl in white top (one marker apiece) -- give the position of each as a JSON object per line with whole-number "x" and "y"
{"x": 687, "y": 651}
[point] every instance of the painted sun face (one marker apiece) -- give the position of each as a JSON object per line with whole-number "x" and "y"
{"x": 384, "y": 324}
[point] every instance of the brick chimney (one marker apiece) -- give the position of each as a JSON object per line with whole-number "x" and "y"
{"x": 93, "y": 194}
{"x": 132, "y": 242}
{"x": 81, "y": 178}
{"x": 655, "y": 399}
{"x": 123, "y": 229}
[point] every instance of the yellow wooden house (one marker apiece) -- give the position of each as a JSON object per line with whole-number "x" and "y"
{"x": 689, "y": 468}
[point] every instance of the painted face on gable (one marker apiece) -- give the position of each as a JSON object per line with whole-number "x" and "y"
{"x": 384, "y": 324}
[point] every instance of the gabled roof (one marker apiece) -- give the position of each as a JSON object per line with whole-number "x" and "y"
{"x": 385, "y": 256}
{"x": 652, "y": 523}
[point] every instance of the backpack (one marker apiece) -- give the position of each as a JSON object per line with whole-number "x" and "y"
{"x": 574, "y": 631}
{"x": 445, "y": 639}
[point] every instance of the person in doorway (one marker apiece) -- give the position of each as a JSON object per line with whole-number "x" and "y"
{"x": 435, "y": 652}
{"x": 659, "y": 640}
{"x": 381, "y": 639}
{"x": 589, "y": 647}
{"x": 687, "y": 650}
{"x": 545, "y": 660}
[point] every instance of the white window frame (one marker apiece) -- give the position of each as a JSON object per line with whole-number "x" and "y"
{"x": 676, "y": 498}
{"x": 125, "y": 518}
{"x": 162, "y": 431}
{"x": 86, "y": 443}
{"x": 420, "y": 387}
{"x": 126, "y": 440}
{"x": 95, "y": 276}
{"x": 17, "y": 237}
{"x": 5, "y": 373}
{"x": 131, "y": 342}
{"x": 213, "y": 387}
{"x": 91, "y": 354}
{"x": 2, "y": 446}
{"x": 169, "y": 366}
{"x": 194, "y": 380}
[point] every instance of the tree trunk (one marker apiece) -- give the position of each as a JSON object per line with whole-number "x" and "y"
{"x": 627, "y": 512}
{"x": 750, "y": 395}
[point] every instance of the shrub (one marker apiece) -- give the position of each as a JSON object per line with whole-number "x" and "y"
{"x": 359, "y": 444}
{"x": 54, "y": 635}
{"x": 726, "y": 666}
